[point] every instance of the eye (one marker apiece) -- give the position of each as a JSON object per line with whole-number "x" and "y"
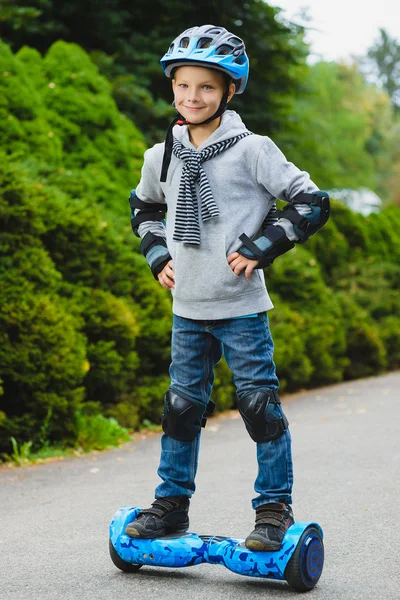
{"x": 182, "y": 85}
{"x": 207, "y": 87}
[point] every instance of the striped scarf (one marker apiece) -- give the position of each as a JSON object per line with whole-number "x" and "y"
{"x": 187, "y": 229}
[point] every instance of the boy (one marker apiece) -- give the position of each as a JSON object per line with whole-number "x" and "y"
{"x": 220, "y": 183}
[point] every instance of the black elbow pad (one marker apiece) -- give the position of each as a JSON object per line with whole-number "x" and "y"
{"x": 266, "y": 248}
{"x": 306, "y": 225}
{"x": 144, "y": 211}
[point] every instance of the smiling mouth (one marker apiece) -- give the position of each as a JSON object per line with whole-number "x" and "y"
{"x": 194, "y": 107}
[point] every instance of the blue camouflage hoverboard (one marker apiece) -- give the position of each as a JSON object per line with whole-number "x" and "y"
{"x": 299, "y": 561}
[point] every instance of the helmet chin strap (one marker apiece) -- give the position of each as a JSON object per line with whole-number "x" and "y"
{"x": 180, "y": 120}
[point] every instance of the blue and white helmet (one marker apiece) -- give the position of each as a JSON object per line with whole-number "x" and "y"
{"x": 212, "y": 47}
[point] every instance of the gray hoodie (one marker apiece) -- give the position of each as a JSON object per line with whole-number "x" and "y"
{"x": 245, "y": 181}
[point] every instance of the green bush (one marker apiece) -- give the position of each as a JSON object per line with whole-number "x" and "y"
{"x": 365, "y": 349}
{"x": 144, "y": 403}
{"x": 96, "y": 432}
{"x": 23, "y": 125}
{"x": 296, "y": 276}
{"x": 59, "y": 117}
{"x": 330, "y": 247}
{"x": 326, "y": 343}
{"x": 384, "y": 235}
{"x": 60, "y": 122}
{"x": 311, "y": 330}
{"x": 372, "y": 285}
{"x": 294, "y": 367}
{"x": 354, "y": 228}
{"x": 389, "y": 331}
{"x": 66, "y": 341}
{"x": 42, "y": 358}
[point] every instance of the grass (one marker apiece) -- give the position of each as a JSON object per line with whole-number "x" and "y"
{"x": 94, "y": 432}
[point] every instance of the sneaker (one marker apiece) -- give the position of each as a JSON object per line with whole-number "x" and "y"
{"x": 166, "y": 515}
{"x": 272, "y": 522}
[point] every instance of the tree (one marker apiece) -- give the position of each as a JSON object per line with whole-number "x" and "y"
{"x": 383, "y": 64}
{"x": 385, "y": 57}
{"x": 345, "y": 125}
{"x": 127, "y": 41}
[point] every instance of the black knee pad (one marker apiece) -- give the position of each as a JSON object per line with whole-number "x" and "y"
{"x": 182, "y": 418}
{"x": 262, "y": 415}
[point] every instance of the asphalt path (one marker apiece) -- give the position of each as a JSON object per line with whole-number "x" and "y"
{"x": 54, "y": 517}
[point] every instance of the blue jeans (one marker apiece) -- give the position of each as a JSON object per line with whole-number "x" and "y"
{"x": 197, "y": 346}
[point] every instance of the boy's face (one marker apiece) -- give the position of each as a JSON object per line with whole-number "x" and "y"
{"x": 198, "y": 92}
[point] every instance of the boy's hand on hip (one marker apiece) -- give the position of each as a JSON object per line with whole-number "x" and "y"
{"x": 167, "y": 276}
{"x": 239, "y": 263}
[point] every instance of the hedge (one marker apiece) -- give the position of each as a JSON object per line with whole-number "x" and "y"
{"x": 84, "y": 328}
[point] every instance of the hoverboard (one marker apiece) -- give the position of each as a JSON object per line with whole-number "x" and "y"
{"x": 299, "y": 561}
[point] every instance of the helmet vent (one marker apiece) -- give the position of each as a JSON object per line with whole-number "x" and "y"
{"x": 214, "y": 31}
{"x": 171, "y": 49}
{"x": 235, "y": 41}
{"x": 184, "y": 43}
{"x": 224, "y": 50}
{"x": 204, "y": 42}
